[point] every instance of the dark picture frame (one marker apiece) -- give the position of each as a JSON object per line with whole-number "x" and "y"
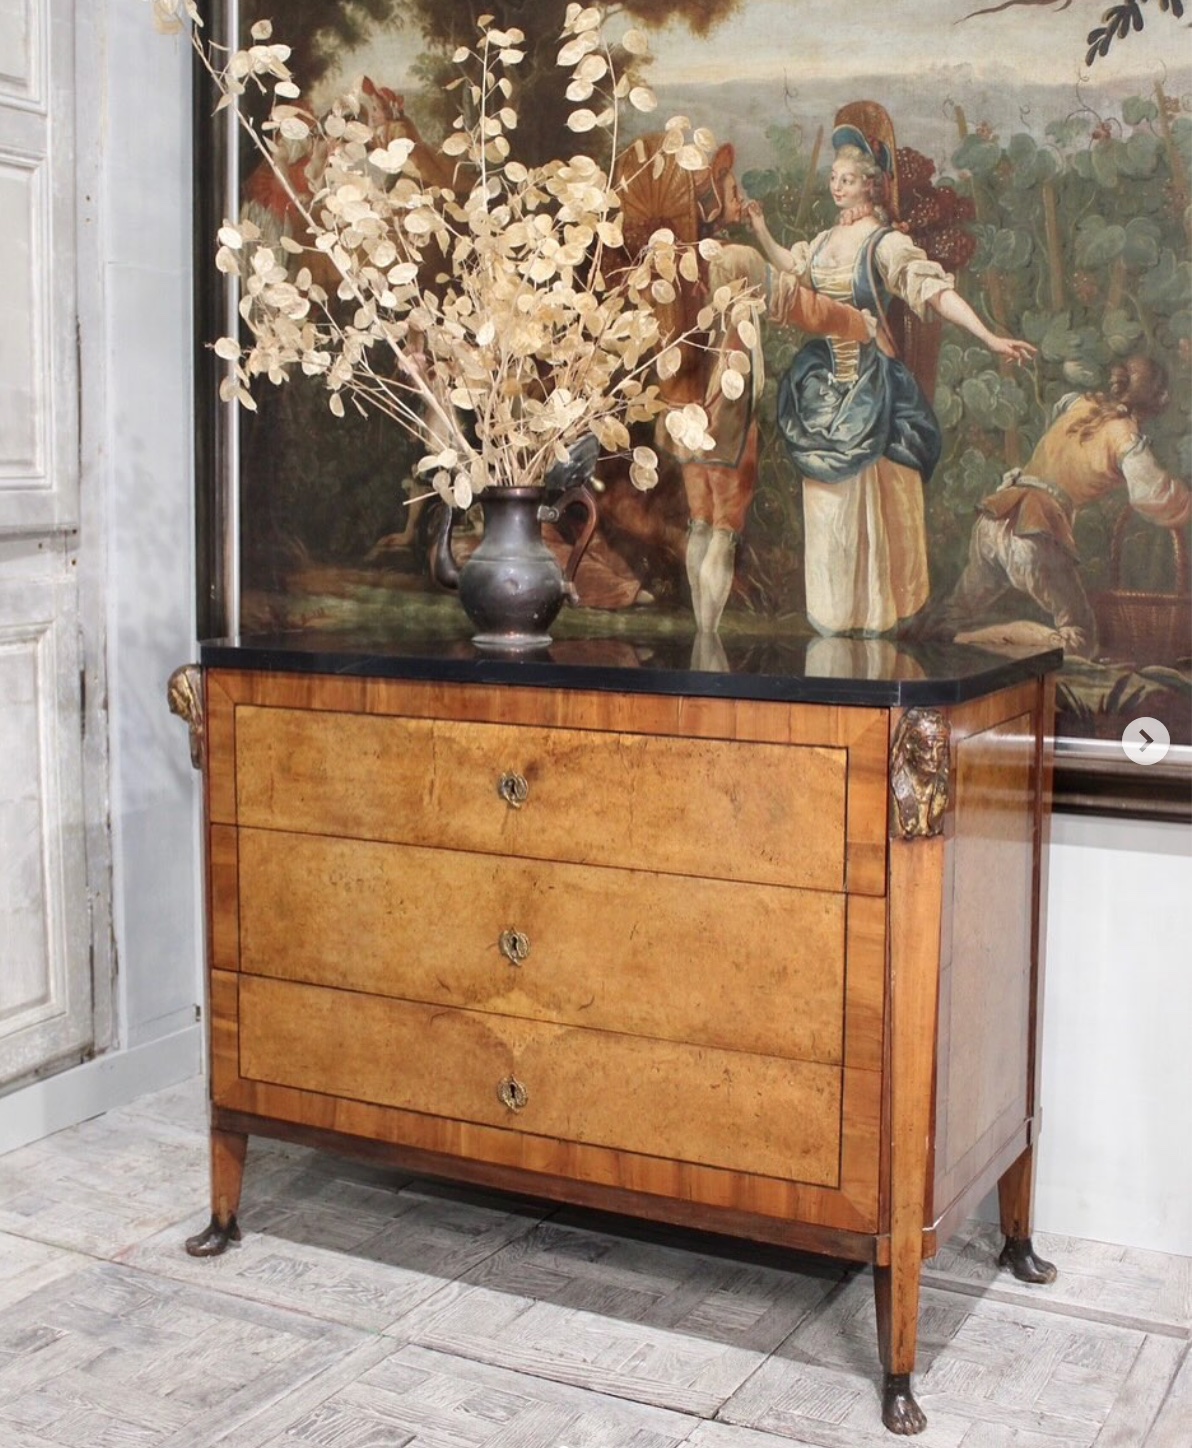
{"x": 1121, "y": 149}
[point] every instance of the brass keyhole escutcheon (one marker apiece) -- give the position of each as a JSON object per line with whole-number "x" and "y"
{"x": 514, "y": 946}
{"x": 512, "y": 1093}
{"x": 514, "y": 790}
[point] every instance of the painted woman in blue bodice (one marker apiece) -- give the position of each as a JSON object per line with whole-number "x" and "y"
{"x": 843, "y": 406}
{"x": 855, "y": 423}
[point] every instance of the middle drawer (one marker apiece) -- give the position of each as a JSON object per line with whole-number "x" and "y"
{"x": 747, "y": 967}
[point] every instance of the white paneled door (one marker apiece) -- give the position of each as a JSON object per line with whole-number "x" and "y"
{"x": 45, "y": 936}
{"x": 46, "y": 987}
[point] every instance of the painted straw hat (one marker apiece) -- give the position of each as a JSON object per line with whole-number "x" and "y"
{"x": 867, "y": 125}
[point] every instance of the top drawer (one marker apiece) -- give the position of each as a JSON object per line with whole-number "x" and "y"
{"x": 768, "y": 813}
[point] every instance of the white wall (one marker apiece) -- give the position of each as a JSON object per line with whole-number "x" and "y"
{"x": 1115, "y": 1153}
{"x": 141, "y": 349}
{"x": 135, "y": 545}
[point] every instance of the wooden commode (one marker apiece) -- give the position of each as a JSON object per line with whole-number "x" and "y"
{"x": 753, "y": 950}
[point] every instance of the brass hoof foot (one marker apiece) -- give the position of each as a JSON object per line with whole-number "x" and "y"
{"x": 1019, "y": 1255}
{"x": 213, "y": 1239}
{"x": 900, "y": 1413}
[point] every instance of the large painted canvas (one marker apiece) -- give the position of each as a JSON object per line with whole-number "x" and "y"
{"x": 1042, "y": 158}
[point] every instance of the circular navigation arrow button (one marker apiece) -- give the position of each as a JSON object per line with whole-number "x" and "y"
{"x": 1146, "y": 740}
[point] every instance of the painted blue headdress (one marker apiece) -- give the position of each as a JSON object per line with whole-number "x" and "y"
{"x": 867, "y": 126}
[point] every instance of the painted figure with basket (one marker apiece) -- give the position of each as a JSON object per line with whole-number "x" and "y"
{"x": 855, "y": 421}
{"x": 1023, "y": 537}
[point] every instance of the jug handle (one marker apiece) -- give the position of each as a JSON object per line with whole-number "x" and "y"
{"x": 552, "y": 512}
{"x": 443, "y": 567}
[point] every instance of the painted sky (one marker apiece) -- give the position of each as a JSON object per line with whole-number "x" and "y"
{"x": 827, "y": 39}
{"x": 805, "y": 40}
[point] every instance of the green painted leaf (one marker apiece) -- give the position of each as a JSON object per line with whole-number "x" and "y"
{"x": 1136, "y": 110}
{"x": 968, "y": 481}
{"x": 1047, "y": 166}
{"x": 1104, "y": 156}
{"x": 760, "y": 183}
{"x": 1010, "y": 402}
{"x": 1081, "y": 374}
{"x": 951, "y": 364}
{"x": 1034, "y": 325}
{"x": 1166, "y": 287}
{"x": 982, "y": 474}
{"x": 1033, "y": 164}
{"x": 979, "y": 400}
{"x": 1089, "y": 346}
{"x": 1012, "y": 249}
{"x": 1139, "y": 156}
{"x": 1143, "y": 238}
{"x": 1068, "y": 131}
{"x": 1059, "y": 341}
{"x": 983, "y": 256}
{"x": 1121, "y": 330}
{"x": 947, "y": 406}
{"x": 1098, "y": 243}
{"x": 977, "y": 156}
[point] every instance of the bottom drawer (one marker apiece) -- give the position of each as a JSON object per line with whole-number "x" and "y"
{"x": 755, "y": 1114}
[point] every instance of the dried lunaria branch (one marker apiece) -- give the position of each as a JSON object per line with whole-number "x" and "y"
{"x": 486, "y": 306}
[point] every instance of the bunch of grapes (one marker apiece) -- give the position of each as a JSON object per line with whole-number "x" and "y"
{"x": 936, "y": 217}
{"x": 1086, "y": 286}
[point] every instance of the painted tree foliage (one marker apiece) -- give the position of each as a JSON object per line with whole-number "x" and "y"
{"x": 326, "y": 31}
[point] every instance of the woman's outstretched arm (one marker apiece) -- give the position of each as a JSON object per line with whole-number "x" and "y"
{"x": 953, "y": 308}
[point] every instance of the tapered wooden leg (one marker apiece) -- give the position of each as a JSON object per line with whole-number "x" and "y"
{"x": 916, "y": 883}
{"x": 228, "y": 1150}
{"x": 896, "y": 1297}
{"x": 1015, "y": 1194}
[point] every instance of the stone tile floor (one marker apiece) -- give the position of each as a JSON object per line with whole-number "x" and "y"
{"x": 364, "y": 1309}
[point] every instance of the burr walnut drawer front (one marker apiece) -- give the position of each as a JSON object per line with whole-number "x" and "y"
{"x": 768, "y": 813}
{"x": 712, "y": 962}
{"x": 747, "y": 1113}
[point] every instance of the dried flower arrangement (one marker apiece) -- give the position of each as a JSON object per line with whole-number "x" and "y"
{"x": 495, "y": 315}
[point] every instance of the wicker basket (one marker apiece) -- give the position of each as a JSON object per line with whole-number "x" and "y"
{"x": 1145, "y": 628}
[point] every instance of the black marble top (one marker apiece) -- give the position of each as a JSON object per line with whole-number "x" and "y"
{"x": 874, "y": 672}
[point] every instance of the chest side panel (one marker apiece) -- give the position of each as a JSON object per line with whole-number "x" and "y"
{"x": 988, "y": 968}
